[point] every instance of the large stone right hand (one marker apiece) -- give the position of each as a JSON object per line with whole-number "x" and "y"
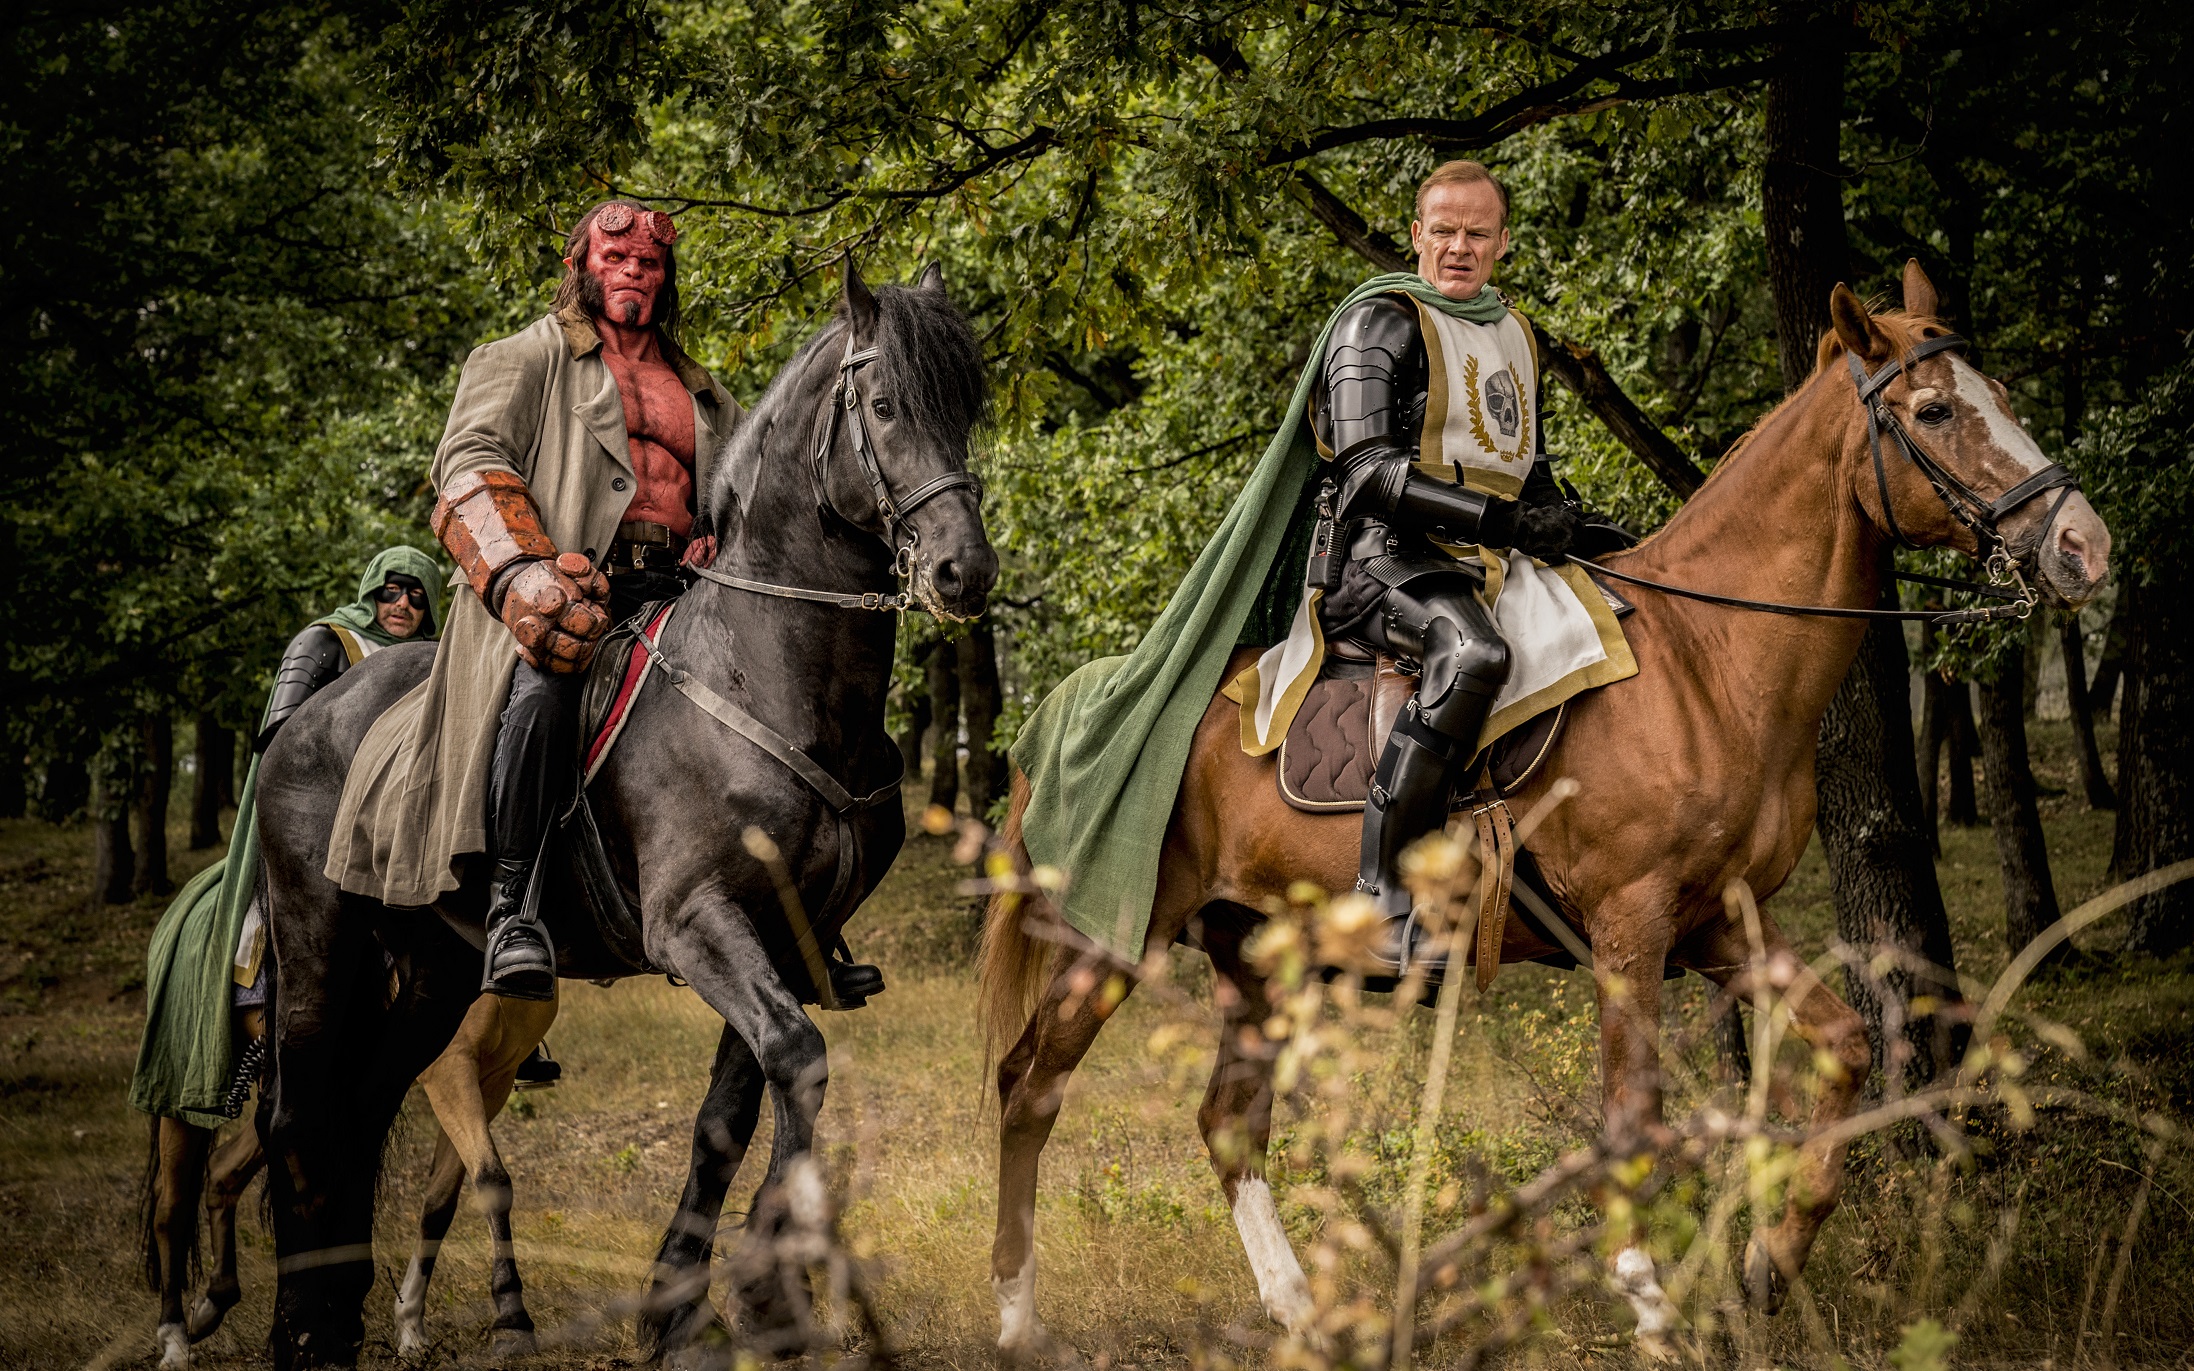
{"x": 557, "y": 610}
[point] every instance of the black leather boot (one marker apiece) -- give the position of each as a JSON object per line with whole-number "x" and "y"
{"x": 540, "y": 1070}
{"x": 1409, "y": 798}
{"x": 1465, "y": 663}
{"x": 521, "y": 961}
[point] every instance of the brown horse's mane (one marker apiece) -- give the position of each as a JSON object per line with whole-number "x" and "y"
{"x": 1901, "y": 330}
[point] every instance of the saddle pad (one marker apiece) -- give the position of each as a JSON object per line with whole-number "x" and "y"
{"x": 621, "y": 665}
{"x": 1335, "y": 739}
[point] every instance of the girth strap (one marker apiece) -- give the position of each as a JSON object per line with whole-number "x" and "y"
{"x": 842, "y": 803}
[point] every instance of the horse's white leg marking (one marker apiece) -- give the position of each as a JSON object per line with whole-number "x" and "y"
{"x": 1280, "y": 1282}
{"x": 1019, "y": 1330}
{"x": 174, "y": 1346}
{"x": 411, "y": 1311}
{"x": 1635, "y": 1279}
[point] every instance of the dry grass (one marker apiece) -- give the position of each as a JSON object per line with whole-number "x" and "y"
{"x": 1139, "y": 1263}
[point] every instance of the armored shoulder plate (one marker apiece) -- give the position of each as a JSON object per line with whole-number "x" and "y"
{"x": 314, "y": 658}
{"x": 1373, "y": 385}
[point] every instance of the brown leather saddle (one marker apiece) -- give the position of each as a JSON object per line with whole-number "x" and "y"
{"x": 1334, "y": 741}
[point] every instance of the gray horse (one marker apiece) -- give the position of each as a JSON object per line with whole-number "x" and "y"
{"x": 852, "y": 467}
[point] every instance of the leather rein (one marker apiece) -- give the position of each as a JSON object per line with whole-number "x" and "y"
{"x": 1969, "y": 507}
{"x": 846, "y": 395}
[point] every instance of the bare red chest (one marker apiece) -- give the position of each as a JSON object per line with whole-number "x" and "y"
{"x": 659, "y": 432}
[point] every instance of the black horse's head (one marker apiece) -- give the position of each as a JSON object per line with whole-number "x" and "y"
{"x": 869, "y": 427}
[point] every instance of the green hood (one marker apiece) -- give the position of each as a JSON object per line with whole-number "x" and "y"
{"x": 357, "y": 616}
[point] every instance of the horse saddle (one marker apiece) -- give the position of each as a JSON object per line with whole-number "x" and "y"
{"x": 1335, "y": 739}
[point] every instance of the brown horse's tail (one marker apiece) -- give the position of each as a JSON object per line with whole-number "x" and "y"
{"x": 1013, "y": 959}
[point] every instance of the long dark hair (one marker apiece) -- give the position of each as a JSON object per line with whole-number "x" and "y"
{"x": 569, "y": 291}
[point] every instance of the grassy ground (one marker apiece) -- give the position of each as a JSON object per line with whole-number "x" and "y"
{"x": 1138, "y": 1258}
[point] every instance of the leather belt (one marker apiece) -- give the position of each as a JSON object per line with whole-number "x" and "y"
{"x": 644, "y": 546}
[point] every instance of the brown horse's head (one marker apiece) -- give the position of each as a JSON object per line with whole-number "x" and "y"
{"x": 1963, "y": 421}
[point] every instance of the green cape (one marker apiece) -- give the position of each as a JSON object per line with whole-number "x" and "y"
{"x": 1105, "y": 751}
{"x": 187, "y": 1056}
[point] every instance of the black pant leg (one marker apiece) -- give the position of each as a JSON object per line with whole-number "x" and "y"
{"x": 534, "y": 759}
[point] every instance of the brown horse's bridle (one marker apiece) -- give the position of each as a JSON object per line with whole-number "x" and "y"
{"x": 1979, "y": 514}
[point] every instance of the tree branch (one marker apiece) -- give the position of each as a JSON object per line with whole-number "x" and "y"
{"x": 1574, "y": 365}
{"x": 1561, "y": 98}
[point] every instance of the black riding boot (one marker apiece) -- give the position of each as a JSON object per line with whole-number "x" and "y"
{"x": 534, "y": 766}
{"x": 1435, "y": 737}
{"x": 521, "y": 961}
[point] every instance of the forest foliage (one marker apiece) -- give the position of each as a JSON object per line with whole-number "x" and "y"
{"x": 249, "y": 243}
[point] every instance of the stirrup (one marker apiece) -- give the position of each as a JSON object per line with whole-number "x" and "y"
{"x": 520, "y": 963}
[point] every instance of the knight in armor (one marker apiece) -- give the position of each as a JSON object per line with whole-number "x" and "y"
{"x": 1393, "y": 523}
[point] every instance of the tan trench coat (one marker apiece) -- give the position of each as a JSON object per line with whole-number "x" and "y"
{"x": 540, "y": 403}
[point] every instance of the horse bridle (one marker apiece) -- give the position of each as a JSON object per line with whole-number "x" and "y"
{"x": 845, "y": 395}
{"x": 1968, "y": 506}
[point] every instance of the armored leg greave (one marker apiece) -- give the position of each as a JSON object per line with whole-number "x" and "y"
{"x": 532, "y": 770}
{"x": 1465, "y": 664}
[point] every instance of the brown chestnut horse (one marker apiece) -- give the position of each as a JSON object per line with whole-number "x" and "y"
{"x": 467, "y": 1087}
{"x": 1695, "y": 773}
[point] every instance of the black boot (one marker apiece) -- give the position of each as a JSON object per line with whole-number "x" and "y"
{"x": 540, "y": 1070}
{"x": 521, "y": 961}
{"x": 1409, "y": 798}
{"x": 1465, "y": 663}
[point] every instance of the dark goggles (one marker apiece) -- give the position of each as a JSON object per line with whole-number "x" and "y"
{"x": 390, "y": 594}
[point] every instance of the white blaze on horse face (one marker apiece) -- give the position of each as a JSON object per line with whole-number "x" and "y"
{"x": 2004, "y": 429}
{"x": 1280, "y": 1282}
{"x": 1635, "y": 1280}
{"x": 1019, "y": 1330}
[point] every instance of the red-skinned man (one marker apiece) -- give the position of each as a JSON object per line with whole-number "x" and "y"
{"x": 568, "y": 477}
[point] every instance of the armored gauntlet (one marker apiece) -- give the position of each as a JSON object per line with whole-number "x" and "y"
{"x": 554, "y": 605}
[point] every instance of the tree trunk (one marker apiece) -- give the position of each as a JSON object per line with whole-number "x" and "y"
{"x": 2102, "y": 692}
{"x": 986, "y": 767}
{"x": 112, "y": 863}
{"x": 1801, "y": 199}
{"x": 149, "y": 804}
{"x": 2156, "y": 761}
{"x": 1934, "y": 734}
{"x": 944, "y": 703}
{"x": 14, "y": 781}
{"x": 1881, "y": 875}
{"x": 1965, "y": 746}
{"x": 2030, "y": 897}
{"x": 213, "y": 755}
{"x": 2092, "y": 779}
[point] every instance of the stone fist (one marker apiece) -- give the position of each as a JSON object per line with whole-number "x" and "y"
{"x": 556, "y": 610}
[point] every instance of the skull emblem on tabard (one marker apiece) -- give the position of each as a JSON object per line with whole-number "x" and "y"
{"x": 1501, "y": 402}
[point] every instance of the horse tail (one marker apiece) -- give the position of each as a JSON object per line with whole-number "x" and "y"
{"x": 1013, "y": 959}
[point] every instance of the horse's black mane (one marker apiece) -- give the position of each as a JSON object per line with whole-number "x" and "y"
{"x": 928, "y": 361}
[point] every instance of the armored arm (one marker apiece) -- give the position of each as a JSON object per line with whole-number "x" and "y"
{"x": 313, "y": 658}
{"x": 552, "y": 603}
{"x": 1374, "y": 372}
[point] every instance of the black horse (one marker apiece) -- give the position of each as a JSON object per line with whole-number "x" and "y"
{"x": 851, "y": 471}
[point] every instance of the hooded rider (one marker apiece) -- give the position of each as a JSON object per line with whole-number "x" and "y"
{"x": 208, "y": 953}
{"x": 1385, "y": 519}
